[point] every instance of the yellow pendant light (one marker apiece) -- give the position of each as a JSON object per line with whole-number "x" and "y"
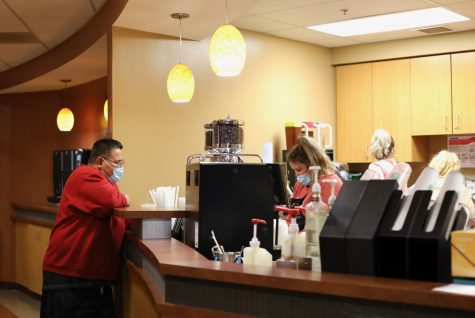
{"x": 180, "y": 81}
{"x": 227, "y": 50}
{"x": 106, "y": 109}
{"x": 65, "y": 117}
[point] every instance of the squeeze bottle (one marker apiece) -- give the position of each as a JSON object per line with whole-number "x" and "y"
{"x": 254, "y": 254}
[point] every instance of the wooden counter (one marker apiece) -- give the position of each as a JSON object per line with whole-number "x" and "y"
{"x": 39, "y": 214}
{"x": 189, "y": 279}
{"x": 151, "y": 222}
{"x": 137, "y": 212}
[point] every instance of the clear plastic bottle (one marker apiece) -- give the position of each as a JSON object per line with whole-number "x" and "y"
{"x": 316, "y": 213}
{"x": 288, "y": 241}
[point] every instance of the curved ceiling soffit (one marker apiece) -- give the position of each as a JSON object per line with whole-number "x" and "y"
{"x": 67, "y": 50}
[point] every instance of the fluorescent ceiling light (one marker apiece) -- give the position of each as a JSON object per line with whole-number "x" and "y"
{"x": 391, "y": 22}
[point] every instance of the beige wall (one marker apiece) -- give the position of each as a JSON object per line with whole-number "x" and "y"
{"x": 283, "y": 80}
{"x": 435, "y": 44}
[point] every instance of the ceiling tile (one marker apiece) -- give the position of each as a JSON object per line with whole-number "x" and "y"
{"x": 98, "y": 4}
{"x": 3, "y": 66}
{"x": 205, "y": 16}
{"x": 55, "y": 30}
{"x": 466, "y": 8}
{"x": 268, "y": 6}
{"x": 444, "y": 2}
{"x": 309, "y": 36}
{"x": 56, "y": 24}
{"x": 12, "y": 25}
{"x": 5, "y": 12}
{"x": 331, "y": 11}
{"x": 255, "y": 23}
{"x": 52, "y": 8}
{"x": 90, "y": 65}
{"x": 16, "y": 54}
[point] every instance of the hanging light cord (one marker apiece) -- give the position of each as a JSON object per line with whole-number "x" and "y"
{"x": 226, "y": 1}
{"x": 180, "y": 39}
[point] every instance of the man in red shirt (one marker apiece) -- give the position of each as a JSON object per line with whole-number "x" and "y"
{"x": 83, "y": 256}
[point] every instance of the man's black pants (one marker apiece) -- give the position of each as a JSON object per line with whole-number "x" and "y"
{"x": 75, "y": 297}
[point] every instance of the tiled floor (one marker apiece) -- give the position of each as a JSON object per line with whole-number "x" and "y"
{"x": 22, "y": 305}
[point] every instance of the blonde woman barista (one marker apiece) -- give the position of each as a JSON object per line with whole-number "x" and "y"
{"x": 304, "y": 154}
{"x": 381, "y": 149}
{"x": 445, "y": 162}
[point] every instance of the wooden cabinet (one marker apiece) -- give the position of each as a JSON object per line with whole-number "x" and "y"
{"x": 31, "y": 242}
{"x": 392, "y": 108}
{"x": 431, "y": 100}
{"x": 354, "y": 112}
{"x": 463, "y": 93}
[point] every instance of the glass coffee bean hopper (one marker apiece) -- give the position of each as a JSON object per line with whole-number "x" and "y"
{"x": 208, "y": 137}
{"x": 228, "y": 135}
{"x": 224, "y": 139}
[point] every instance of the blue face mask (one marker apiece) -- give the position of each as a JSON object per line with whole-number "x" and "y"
{"x": 304, "y": 179}
{"x": 117, "y": 173}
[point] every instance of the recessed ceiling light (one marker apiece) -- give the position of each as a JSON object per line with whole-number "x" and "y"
{"x": 390, "y": 22}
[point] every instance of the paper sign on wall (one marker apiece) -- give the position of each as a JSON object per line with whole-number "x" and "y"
{"x": 464, "y": 147}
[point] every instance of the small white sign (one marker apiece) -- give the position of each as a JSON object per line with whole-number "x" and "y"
{"x": 464, "y": 147}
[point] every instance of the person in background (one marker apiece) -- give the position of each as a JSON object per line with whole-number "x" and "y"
{"x": 83, "y": 258}
{"x": 304, "y": 154}
{"x": 382, "y": 150}
{"x": 445, "y": 162}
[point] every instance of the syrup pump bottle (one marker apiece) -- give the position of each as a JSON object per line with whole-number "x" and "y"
{"x": 332, "y": 197}
{"x": 316, "y": 213}
{"x": 254, "y": 254}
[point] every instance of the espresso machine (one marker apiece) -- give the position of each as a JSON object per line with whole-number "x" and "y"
{"x": 223, "y": 192}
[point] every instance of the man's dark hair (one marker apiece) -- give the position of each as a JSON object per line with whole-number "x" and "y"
{"x": 103, "y": 147}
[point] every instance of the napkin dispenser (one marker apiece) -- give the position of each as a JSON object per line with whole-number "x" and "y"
{"x": 333, "y": 249}
{"x": 361, "y": 236}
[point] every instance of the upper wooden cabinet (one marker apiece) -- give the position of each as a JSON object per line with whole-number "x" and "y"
{"x": 354, "y": 112}
{"x": 431, "y": 104}
{"x": 392, "y": 108}
{"x": 463, "y": 93}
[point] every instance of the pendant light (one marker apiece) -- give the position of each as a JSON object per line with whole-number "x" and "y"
{"x": 180, "y": 81}
{"x": 106, "y": 109}
{"x": 227, "y": 50}
{"x": 65, "y": 118}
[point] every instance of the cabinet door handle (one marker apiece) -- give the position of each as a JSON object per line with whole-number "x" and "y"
{"x": 366, "y": 151}
{"x": 457, "y": 122}
{"x": 445, "y": 122}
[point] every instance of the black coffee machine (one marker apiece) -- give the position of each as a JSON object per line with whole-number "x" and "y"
{"x": 224, "y": 197}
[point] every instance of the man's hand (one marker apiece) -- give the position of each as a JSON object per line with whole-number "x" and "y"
{"x": 128, "y": 199}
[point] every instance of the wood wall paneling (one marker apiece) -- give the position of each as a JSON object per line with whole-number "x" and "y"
{"x": 6, "y": 226}
{"x": 28, "y": 136}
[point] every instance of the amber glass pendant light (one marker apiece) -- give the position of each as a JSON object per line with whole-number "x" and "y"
{"x": 65, "y": 117}
{"x": 227, "y": 50}
{"x": 180, "y": 81}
